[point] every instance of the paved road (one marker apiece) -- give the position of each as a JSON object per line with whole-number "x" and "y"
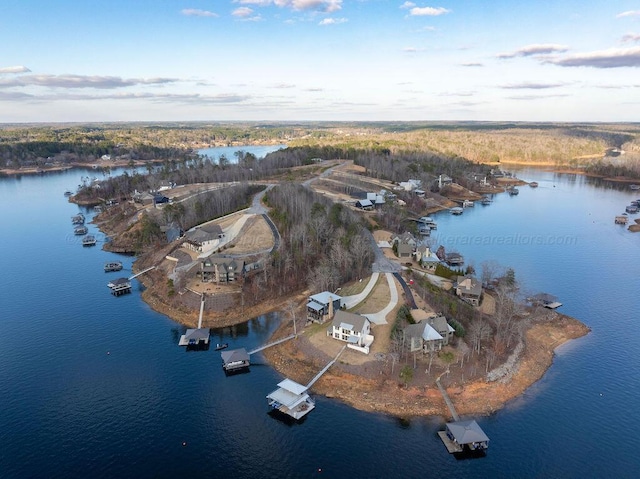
{"x": 407, "y": 291}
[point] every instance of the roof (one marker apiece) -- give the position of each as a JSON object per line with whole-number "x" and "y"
{"x": 202, "y": 333}
{"x": 364, "y": 203}
{"x": 315, "y": 306}
{"x": 440, "y": 324}
{"x": 422, "y": 330}
{"x": 466, "y": 432}
{"x": 349, "y": 321}
{"x": 325, "y": 297}
{"x": 292, "y": 386}
{"x": 212, "y": 228}
{"x": 232, "y": 355}
{"x": 470, "y": 285}
{"x": 118, "y": 281}
{"x": 287, "y": 398}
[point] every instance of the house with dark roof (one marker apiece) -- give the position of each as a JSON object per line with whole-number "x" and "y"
{"x": 215, "y": 269}
{"x": 364, "y": 204}
{"x": 202, "y": 237}
{"x": 352, "y": 328}
{"x": 469, "y": 289}
{"x": 405, "y": 245}
{"x": 322, "y": 307}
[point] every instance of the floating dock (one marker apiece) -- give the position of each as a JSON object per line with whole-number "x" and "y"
{"x": 621, "y": 220}
{"x": 113, "y": 266}
{"x": 89, "y": 240}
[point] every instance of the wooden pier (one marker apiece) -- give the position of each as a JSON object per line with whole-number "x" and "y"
{"x": 235, "y": 359}
{"x": 326, "y": 368}
{"x": 194, "y": 338}
{"x": 141, "y": 272}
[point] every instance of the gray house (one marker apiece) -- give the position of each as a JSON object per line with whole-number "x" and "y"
{"x": 469, "y": 289}
{"x": 436, "y": 321}
{"x": 221, "y": 270}
{"x": 199, "y": 238}
{"x": 422, "y": 337}
{"x": 322, "y": 306}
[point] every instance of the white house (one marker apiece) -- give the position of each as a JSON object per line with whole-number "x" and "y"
{"x": 352, "y": 328}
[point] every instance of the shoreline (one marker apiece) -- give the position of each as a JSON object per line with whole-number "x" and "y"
{"x": 380, "y": 393}
{"x": 478, "y": 397}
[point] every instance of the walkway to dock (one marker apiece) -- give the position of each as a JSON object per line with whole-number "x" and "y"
{"x": 141, "y": 272}
{"x": 447, "y": 400}
{"x": 324, "y": 370}
{"x": 253, "y": 351}
{"x": 201, "y": 311}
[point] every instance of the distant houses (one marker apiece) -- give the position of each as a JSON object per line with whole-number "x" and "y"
{"x": 352, "y": 328}
{"x": 322, "y": 307}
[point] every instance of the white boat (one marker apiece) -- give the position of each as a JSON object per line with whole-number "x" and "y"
{"x": 467, "y": 204}
{"x": 112, "y": 266}
{"x": 457, "y": 211}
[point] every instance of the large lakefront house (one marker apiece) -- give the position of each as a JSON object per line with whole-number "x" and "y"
{"x": 352, "y": 328}
{"x": 322, "y": 306}
{"x": 203, "y": 237}
{"x": 469, "y": 289}
{"x": 215, "y": 269}
{"x": 429, "y": 334}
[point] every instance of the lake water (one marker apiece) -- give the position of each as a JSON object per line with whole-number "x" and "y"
{"x": 229, "y": 151}
{"x": 96, "y": 386}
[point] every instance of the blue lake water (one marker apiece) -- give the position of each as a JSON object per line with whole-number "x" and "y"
{"x": 96, "y": 386}
{"x": 229, "y": 151}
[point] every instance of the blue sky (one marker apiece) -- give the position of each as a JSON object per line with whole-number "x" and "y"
{"x": 296, "y": 60}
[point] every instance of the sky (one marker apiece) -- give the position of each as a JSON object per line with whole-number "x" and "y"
{"x": 315, "y": 60}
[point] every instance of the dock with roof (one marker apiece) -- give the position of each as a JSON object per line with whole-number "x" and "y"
{"x": 292, "y": 398}
{"x": 196, "y": 338}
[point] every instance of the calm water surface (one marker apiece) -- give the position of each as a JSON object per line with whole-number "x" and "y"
{"x": 92, "y": 385}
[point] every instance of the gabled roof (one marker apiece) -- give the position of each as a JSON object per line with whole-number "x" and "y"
{"x": 422, "y": 330}
{"x": 349, "y": 321}
{"x": 364, "y": 203}
{"x": 469, "y": 285}
{"x": 440, "y": 324}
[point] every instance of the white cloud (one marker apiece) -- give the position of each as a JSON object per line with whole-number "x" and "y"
{"x": 80, "y": 81}
{"x": 472, "y": 64}
{"x": 407, "y": 5}
{"x": 16, "y": 69}
{"x": 612, "y": 58}
{"x": 630, "y": 38}
{"x": 630, "y": 13}
{"x": 194, "y": 12}
{"x": 326, "y": 6}
{"x": 332, "y": 21}
{"x": 535, "y": 49}
{"x": 531, "y": 86}
{"x": 410, "y": 49}
{"x": 242, "y": 12}
{"x": 428, "y": 11}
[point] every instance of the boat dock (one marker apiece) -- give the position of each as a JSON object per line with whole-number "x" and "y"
{"x": 460, "y": 434}
{"x": 292, "y": 398}
{"x": 235, "y": 359}
{"x": 194, "y": 338}
{"x": 119, "y": 286}
{"x": 621, "y": 220}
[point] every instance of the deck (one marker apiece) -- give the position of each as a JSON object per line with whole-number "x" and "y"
{"x": 451, "y": 446}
